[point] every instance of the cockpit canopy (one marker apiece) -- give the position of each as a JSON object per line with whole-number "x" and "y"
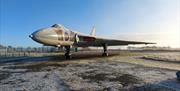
{"x": 57, "y": 26}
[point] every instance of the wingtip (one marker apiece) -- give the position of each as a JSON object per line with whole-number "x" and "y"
{"x": 150, "y": 43}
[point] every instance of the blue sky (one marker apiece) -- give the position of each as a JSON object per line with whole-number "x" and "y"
{"x": 143, "y": 20}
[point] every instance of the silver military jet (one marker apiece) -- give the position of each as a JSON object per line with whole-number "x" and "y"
{"x": 59, "y": 36}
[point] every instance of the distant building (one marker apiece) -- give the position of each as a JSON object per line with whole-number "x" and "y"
{"x": 2, "y": 49}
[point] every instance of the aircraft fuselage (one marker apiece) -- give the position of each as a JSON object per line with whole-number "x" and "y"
{"x": 54, "y": 36}
{"x": 57, "y": 35}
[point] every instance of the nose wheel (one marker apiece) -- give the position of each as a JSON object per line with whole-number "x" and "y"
{"x": 105, "y": 52}
{"x": 67, "y": 54}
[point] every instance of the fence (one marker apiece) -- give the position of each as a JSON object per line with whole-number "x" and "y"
{"x": 26, "y": 54}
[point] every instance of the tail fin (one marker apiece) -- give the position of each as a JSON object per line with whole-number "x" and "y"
{"x": 93, "y": 31}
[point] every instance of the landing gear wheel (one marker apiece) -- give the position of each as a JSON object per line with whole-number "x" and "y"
{"x": 105, "y": 54}
{"x": 178, "y": 75}
{"x": 67, "y": 54}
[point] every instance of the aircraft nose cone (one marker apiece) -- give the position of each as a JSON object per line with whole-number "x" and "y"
{"x": 43, "y": 35}
{"x": 36, "y": 35}
{"x": 31, "y": 36}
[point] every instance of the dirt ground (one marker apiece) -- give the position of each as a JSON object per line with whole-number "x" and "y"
{"x": 89, "y": 71}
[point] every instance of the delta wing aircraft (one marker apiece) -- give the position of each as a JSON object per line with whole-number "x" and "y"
{"x": 59, "y": 36}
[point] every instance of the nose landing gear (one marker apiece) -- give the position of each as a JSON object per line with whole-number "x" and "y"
{"x": 67, "y": 54}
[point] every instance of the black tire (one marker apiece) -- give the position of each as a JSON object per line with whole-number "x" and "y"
{"x": 105, "y": 54}
{"x": 68, "y": 56}
{"x": 178, "y": 75}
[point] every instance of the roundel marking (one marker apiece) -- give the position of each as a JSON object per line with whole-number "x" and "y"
{"x": 66, "y": 36}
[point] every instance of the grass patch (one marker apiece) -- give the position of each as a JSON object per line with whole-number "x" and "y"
{"x": 124, "y": 79}
{"x": 37, "y": 67}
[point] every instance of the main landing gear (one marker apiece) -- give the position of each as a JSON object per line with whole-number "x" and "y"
{"x": 67, "y": 54}
{"x": 105, "y": 52}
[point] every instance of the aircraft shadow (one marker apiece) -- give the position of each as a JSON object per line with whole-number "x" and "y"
{"x": 83, "y": 55}
{"x": 75, "y": 57}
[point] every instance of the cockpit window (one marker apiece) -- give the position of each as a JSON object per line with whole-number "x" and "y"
{"x": 57, "y": 26}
